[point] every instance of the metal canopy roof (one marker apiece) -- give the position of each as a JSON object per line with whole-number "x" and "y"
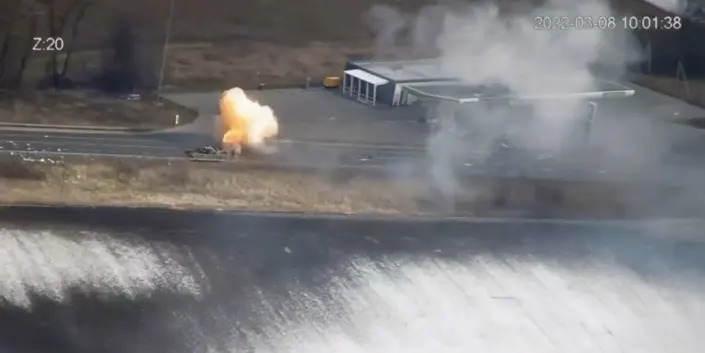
{"x": 405, "y": 70}
{"x": 366, "y": 76}
{"x": 465, "y": 93}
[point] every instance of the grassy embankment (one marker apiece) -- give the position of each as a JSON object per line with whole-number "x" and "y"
{"x": 182, "y": 184}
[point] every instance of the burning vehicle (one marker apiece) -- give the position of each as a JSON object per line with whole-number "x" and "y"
{"x": 245, "y": 125}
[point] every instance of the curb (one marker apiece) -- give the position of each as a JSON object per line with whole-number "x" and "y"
{"x": 73, "y": 127}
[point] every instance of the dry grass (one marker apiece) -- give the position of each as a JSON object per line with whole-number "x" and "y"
{"x": 84, "y": 108}
{"x": 185, "y": 185}
{"x": 189, "y": 185}
{"x": 249, "y": 64}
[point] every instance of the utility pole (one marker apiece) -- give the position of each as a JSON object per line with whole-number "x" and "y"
{"x": 167, "y": 37}
{"x": 649, "y": 49}
{"x": 589, "y": 121}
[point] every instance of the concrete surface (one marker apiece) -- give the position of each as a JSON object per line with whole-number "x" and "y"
{"x": 115, "y": 280}
{"x": 324, "y": 115}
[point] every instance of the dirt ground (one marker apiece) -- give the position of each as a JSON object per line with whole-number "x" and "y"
{"x": 186, "y": 184}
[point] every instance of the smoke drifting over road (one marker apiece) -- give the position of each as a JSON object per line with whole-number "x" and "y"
{"x": 486, "y": 44}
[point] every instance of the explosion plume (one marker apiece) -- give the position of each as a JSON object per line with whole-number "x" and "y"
{"x": 245, "y": 122}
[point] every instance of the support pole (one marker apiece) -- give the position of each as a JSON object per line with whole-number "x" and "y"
{"x": 167, "y": 37}
{"x": 680, "y": 74}
{"x": 649, "y": 50}
{"x": 359, "y": 88}
{"x": 590, "y": 120}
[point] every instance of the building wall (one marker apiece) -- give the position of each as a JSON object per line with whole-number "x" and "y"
{"x": 385, "y": 93}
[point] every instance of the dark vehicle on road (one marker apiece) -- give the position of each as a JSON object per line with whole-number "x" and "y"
{"x": 207, "y": 153}
{"x": 202, "y": 150}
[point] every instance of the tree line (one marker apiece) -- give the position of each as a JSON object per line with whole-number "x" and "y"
{"x": 23, "y": 23}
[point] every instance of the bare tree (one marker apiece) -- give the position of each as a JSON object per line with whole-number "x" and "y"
{"x": 81, "y": 10}
{"x": 53, "y": 30}
{"x": 28, "y": 49}
{"x": 59, "y": 14}
{"x": 10, "y": 12}
{"x": 19, "y": 23}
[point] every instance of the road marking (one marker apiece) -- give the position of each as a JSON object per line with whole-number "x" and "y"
{"x": 46, "y": 127}
{"x": 351, "y": 144}
{"x": 265, "y": 164}
{"x": 49, "y": 136}
{"x": 87, "y": 154}
{"x": 40, "y": 144}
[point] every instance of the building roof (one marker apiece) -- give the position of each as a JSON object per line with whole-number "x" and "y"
{"x": 366, "y": 76}
{"x": 405, "y": 70}
{"x": 460, "y": 92}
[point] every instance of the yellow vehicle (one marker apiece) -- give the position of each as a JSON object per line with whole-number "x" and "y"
{"x": 331, "y": 82}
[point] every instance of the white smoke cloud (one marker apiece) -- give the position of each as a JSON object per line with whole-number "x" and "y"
{"x": 387, "y": 23}
{"x": 484, "y": 44}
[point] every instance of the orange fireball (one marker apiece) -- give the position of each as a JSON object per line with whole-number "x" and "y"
{"x": 245, "y": 122}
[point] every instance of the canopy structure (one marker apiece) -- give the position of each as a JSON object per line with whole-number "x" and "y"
{"x": 463, "y": 93}
{"x": 363, "y": 84}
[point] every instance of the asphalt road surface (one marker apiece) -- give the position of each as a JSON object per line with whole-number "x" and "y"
{"x": 308, "y": 154}
{"x": 96, "y": 143}
{"x": 405, "y": 159}
{"x": 117, "y": 280}
{"x": 327, "y": 131}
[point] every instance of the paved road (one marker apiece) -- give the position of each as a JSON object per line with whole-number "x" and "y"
{"x": 308, "y": 154}
{"x": 114, "y": 280}
{"x": 323, "y": 155}
{"x": 643, "y": 129}
{"x": 637, "y": 137}
{"x": 57, "y": 142}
